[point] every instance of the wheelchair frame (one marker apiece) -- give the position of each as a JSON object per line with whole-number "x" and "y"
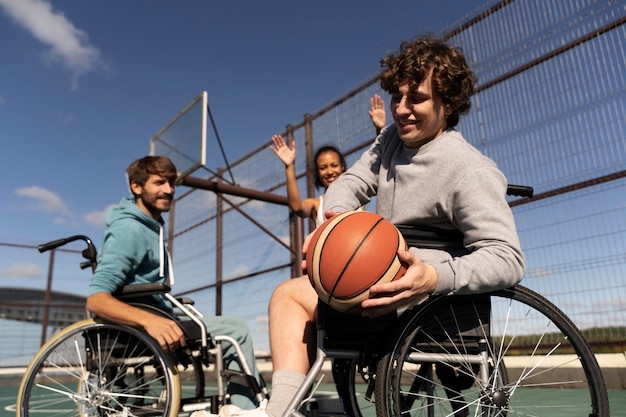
{"x": 98, "y": 368}
{"x": 430, "y": 366}
{"x": 403, "y": 370}
{"x": 422, "y": 363}
{"x": 400, "y": 372}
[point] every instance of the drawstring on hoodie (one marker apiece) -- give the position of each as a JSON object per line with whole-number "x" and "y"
{"x": 162, "y": 252}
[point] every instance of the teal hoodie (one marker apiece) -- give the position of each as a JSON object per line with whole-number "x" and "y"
{"x": 132, "y": 251}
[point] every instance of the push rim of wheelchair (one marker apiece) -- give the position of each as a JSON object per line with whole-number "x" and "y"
{"x": 506, "y": 353}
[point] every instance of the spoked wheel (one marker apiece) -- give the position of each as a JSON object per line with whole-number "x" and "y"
{"x": 534, "y": 361}
{"x": 100, "y": 369}
{"x": 353, "y": 342}
{"x": 353, "y": 388}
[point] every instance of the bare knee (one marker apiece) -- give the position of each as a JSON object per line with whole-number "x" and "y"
{"x": 295, "y": 293}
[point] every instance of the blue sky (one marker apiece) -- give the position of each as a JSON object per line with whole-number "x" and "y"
{"x": 85, "y": 84}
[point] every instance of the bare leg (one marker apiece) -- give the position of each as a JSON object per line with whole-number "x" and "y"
{"x": 292, "y": 314}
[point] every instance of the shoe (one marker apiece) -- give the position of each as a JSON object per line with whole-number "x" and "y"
{"x": 202, "y": 413}
{"x": 230, "y": 410}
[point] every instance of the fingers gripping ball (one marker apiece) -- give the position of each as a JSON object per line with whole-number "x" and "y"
{"x": 351, "y": 252}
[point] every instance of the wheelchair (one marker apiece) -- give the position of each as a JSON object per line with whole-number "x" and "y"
{"x": 97, "y": 368}
{"x": 509, "y": 352}
{"x": 505, "y": 353}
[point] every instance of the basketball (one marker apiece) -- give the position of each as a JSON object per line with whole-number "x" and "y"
{"x": 351, "y": 252}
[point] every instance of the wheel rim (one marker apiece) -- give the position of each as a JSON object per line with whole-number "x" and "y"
{"x": 100, "y": 369}
{"x": 549, "y": 369}
{"x": 352, "y": 386}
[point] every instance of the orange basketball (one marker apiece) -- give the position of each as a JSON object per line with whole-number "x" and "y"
{"x": 351, "y": 252}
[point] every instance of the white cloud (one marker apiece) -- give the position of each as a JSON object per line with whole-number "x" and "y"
{"x": 539, "y": 272}
{"x": 19, "y": 271}
{"x": 69, "y": 45}
{"x": 43, "y": 199}
{"x": 238, "y": 271}
{"x": 96, "y": 218}
{"x": 615, "y": 303}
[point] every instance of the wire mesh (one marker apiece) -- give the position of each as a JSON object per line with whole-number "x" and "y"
{"x": 549, "y": 110}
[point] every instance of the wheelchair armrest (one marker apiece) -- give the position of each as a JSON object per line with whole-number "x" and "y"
{"x": 142, "y": 290}
{"x": 431, "y": 237}
{"x": 186, "y": 301}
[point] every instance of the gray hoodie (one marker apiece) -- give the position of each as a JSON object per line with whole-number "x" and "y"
{"x": 448, "y": 184}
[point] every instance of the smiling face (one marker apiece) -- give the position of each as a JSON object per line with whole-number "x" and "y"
{"x": 155, "y": 196}
{"x": 329, "y": 167}
{"x": 420, "y": 115}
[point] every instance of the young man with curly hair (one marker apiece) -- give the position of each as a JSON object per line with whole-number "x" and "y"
{"x": 423, "y": 173}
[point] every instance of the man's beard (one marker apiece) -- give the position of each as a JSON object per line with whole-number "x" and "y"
{"x": 152, "y": 203}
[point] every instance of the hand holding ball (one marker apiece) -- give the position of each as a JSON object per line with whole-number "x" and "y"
{"x": 351, "y": 252}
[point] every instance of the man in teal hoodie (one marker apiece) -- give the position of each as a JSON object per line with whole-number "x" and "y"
{"x": 133, "y": 252}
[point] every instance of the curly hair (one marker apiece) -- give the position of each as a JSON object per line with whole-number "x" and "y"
{"x": 141, "y": 169}
{"x": 452, "y": 78}
{"x": 321, "y": 150}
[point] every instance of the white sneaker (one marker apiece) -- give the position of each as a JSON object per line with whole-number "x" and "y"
{"x": 230, "y": 410}
{"x": 202, "y": 413}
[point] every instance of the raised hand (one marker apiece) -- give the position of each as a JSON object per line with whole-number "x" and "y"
{"x": 377, "y": 112}
{"x": 285, "y": 153}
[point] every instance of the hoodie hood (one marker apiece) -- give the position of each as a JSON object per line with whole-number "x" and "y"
{"x": 128, "y": 210}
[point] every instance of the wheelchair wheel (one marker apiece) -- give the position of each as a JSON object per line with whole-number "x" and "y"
{"x": 550, "y": 369}
{"x": 356, "y": 342}
{"x": 352, "y": 386}
{"x": 100, "y": 369}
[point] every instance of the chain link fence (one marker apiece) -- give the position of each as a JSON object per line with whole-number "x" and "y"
{"x": 549, "y": 110}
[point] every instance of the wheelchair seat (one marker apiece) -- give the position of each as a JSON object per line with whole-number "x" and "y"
{"x": 139, "y": 295}
{"x": 351, "y": 331}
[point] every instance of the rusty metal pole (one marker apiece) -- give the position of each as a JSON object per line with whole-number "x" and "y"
{"x": 219, "y": 240}
{"x": 310, "y": 163}
{"x": 220, "y": 187}
{"x": 296, "y": 226}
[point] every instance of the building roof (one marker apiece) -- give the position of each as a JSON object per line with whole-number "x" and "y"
{"x": 31, "y": 305}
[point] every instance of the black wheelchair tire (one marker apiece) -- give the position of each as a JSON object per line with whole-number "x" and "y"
{"x": 396, "y": 397}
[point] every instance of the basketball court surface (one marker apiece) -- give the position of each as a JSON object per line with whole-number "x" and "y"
{"x": 617, "y": 399}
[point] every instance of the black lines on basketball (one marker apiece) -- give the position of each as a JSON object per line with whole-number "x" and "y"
{"x": 351, "y": 252}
